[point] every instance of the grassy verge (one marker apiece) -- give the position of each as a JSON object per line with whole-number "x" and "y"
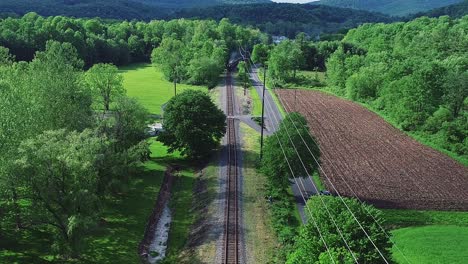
{"x": 149, "y": 87}
{"x": 273, "y": 95}
{"x": 259, "y": 234}
{"x": 317, "y": 181}
{"x": 256, "y": 102}
{"x": 397, "y": 218}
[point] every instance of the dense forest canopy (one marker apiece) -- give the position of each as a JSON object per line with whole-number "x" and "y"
{"x": 415, "y": 72}
{"x": 121, "y": 42}
{"x": 116, "y": 9}
{"x": 391, "y": 7}
{"x": 288, "y": 19}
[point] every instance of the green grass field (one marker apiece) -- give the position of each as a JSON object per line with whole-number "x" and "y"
{"x": 428, "y": 236}
{"x": 431, "y": 244}
{"x": 149, "y": 87}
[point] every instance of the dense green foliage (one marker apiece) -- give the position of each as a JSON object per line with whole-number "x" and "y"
{"x": 415, "y": 73}
{"x": 287, "y": 19}
{"x": 193, "y": 124}
{"x": 106, "y": 83}
{"x": 277, "y": 170}
{"x": 121, "y": 42}
{"x": 288, "y": 57}
{"x": 392, "y": 7}
{"x": 59, "y": 158}
{"x": 310, "y": 249}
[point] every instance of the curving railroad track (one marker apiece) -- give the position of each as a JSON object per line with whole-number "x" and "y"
{"x": 231, "y": 234}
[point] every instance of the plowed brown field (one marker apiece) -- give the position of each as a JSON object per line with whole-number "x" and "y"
{"x": 382, "y": 165}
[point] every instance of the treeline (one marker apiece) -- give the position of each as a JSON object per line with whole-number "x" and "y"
{"x": 120, "y": 43}
{"x": 198, "y": 54}
{"x": 61, "y": 153}
{"x": 416, "y": 73}
{"x": 288, "y": 19}
{"x": 290, "y": 56}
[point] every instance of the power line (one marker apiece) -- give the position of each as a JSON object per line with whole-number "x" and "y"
{"x": 349, "y": 187}
{"x": 333, "y": 186}
{"x": 339, "y": 195}
{"x": 321, "y": 199}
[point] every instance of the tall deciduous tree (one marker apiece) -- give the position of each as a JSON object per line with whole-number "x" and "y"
{"x": 169, "y": 56}
{"x": 243, "y": 74}
{"x": 59, "y": 171}
{"x": 192, "y": 124}
{"x": 293, "y": 130}
{"x": 106, "y": 82}
{"x": 260, "y": 53}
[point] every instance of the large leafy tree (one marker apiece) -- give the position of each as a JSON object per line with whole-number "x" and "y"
{"x": 243, "y": 74}
{"x": 169, "y": 56}
{"x": 58, "y": 170}
{"x": 192, "y": 124}
{"x": 310, "y": 249}
{"x": 260, "y": 53}
{"x": 284, "y": 61}
{"x": 293, "y": 130}
{"x": 106, "y": 83}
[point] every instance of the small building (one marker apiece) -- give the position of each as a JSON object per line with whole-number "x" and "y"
{"x": 155, "y": 129}
{"x": 279, "y": 39}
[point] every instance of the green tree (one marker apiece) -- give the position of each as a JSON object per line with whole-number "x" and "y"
{"x": 106, "y": 83}
{"x": 192, "y": 124}
{"x": 243, "y": 74}
{"x": 260, "y": 53}
{"x": 309, "y": 248}
{"x": 169, "y": 56}
{"x": 293, "y": 128}
{"x": 58, "y": 170}
{"x": 284, "y": 61}
{"x": 5, "y": 57}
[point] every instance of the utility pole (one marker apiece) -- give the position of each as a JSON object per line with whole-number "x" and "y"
{"x": 263, "y": 111}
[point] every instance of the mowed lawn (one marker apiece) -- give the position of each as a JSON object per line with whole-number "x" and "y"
{"x": 432, "y": 244}
{"x": 428, "y": 237}
{"x": 148, "y": 85}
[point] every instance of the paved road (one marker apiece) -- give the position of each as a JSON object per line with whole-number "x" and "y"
{"x": 273, "y": 118}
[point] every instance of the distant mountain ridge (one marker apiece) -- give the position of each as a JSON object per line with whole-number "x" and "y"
{"x": 456, "y": 11}
{"x": 178, "y": 4}
{"x": 116, "y": 9}
{"x": 391, "y": 7}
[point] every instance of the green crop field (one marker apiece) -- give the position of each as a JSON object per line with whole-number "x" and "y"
{"x": 149, "y": 87}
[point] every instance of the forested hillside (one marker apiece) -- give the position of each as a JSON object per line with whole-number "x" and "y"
{"x": 117, "y": 9}
{"x": 455, "y": 11}
{"x": 391, "y": 7}
{"x": 414, "y": 73}
{"x": 287, "y": 19}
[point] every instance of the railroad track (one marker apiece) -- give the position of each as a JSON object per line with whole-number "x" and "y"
{"x": 231, "y": 234}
